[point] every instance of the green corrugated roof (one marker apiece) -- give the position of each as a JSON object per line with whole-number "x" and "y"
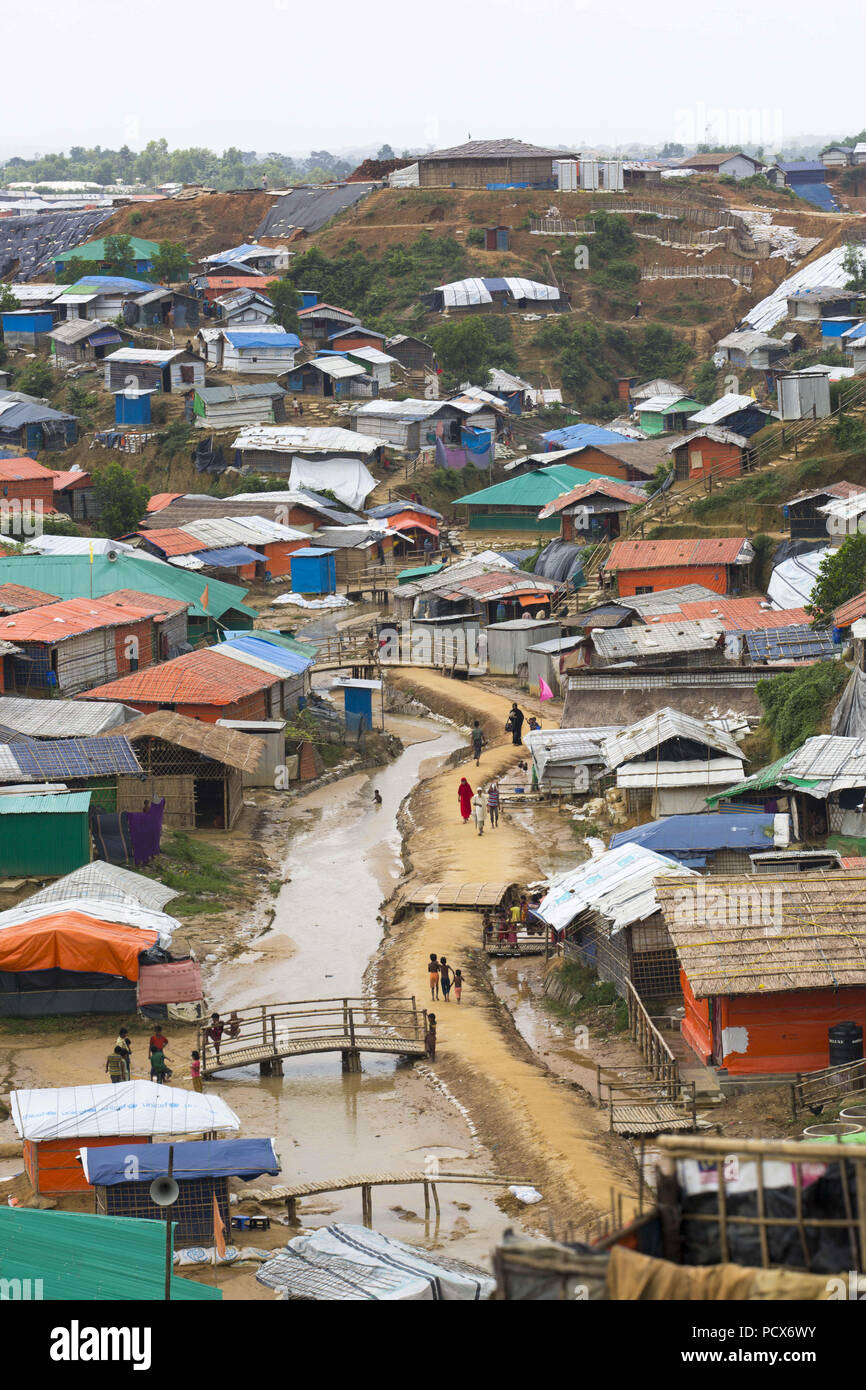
{"x": 406, "y": 576}
{"x": 80, "y": 1257}
{"x": 534, "y": 489}
{"x": 766, "y": 777}
{"x": 45, "y": 804}
{"x": 95, "y": 250}
{"x": 70, "y": 576}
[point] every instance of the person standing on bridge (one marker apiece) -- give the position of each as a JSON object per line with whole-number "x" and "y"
{"x": 215, "y": 1033}
{"x": 464, "y": 796}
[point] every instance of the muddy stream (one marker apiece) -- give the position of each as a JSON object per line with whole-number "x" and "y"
{"x": 344, "y": 860}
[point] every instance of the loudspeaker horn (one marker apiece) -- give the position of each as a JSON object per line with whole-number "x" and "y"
{"x": 164, "y": 1192}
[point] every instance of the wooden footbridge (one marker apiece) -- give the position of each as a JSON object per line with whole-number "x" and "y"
{"x": 269, "y": 1034}
{"x": 429, "y": 1179}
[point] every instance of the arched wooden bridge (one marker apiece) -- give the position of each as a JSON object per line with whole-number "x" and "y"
{"x": 268, "y": 1034}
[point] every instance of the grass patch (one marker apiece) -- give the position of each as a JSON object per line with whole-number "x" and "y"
{"x": 599, "y": 999}
{"x": 199, "y": 872}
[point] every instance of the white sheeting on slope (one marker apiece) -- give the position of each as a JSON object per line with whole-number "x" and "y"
{"x": 826, "y": 271}
{"x": 792, "y": 582}
{"x": 347, "y": 479}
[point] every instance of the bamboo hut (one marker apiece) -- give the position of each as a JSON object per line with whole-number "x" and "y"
{"x": 197, "y": 768}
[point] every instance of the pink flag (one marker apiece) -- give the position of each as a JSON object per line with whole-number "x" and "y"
{"x": 544, "y": 690}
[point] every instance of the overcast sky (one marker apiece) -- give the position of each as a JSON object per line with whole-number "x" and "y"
{"x": 267, "y": 75}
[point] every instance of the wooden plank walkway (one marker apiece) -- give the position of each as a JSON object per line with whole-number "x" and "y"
{"x": 291, "y": 1194}
{"x": 648, "y": 1119}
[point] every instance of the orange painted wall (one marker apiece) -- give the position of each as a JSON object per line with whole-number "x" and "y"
{"x": 788, "y": 1032}
{"x": 697, "y": 1029}
{"x": 52, "y": 1164}
{"x": 253, "y": 707}
{"x": 722, "y": 459}
{"x": 277, "y": 555}
{"x": 713, "y": 577}
{"x": 594, "y": 461}
{"x": 143, "y": 631}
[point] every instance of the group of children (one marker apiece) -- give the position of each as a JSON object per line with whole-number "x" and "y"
{"x": 118, "y": 1064}
{"x": 502, "y": 926}
{"x": 441, "y": 975}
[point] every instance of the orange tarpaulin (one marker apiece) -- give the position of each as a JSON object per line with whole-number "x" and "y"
{"x": 73, "y": 941}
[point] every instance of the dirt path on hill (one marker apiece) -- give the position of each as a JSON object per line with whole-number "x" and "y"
{"x": 540, "y": 1128}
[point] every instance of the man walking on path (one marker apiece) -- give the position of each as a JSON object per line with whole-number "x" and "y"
{"x": 514, "y": 725}
{"x": 493, "y": 803}
{"x": 478, "y": 810}
{"x": 477, "y": 736}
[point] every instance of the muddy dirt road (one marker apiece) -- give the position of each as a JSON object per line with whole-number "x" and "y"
{"x": 533, "y": 1121}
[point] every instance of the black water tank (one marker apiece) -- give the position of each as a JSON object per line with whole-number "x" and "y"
{"x": 846, "y": 1043}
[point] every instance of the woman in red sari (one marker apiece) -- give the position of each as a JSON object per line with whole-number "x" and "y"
{"x": 464, "y": 796}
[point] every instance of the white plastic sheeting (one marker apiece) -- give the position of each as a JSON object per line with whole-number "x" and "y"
{"x": 828, "y": 271}
{"x": 619, "y": 885}
{"x": 126, "y": 1109}
{"x": 349, "y": 1262}
{"x": 129, "y": 914}
{"x": 792, "y": 582}
{"x": 461, "y": 293}
{"x": 348, "y": 479}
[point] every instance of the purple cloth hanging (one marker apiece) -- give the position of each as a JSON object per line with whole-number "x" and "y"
{"x": 145, "y": 831}
{"x": 449, "y": 458}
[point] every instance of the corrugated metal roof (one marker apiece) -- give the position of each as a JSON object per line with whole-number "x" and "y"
{"x": 222, "y": 395}
{"x": 229, "y": 557}
{"x": 606, "y": 487}
{"x": 667, "y": 600}
{"x": 16, "y": 598}
{"x": 57, "y": 804}
{"x": 199, "y": 678}
{"x": 737, "y": 614}
{"x": 534, "y": 489}
{"x": 72, "y": 575}
{"x": 640, "y": 555}
{"x": 849, "y": 612}
{"x": 656, "y": 729}
{"x": 496, "y": 149}
{"x": 622, "y": 643}
{"x": 796, "y": 643}
{"x": 714, "y": 432}
{"x": 619, "y": 885}
{"x": 664, "y": 405}
{"x": 61, "y": 718}
{"x": 56, "y": 622}
{"x": 337, "y": 367}
{"x": 264, "y": 656}
{"x": 730, "y": 404}
{"x": 551, "y": 746}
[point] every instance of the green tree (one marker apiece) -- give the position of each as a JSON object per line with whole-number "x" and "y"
{"x": 35, "y": 379}
{"x": 841, "y": 575}
{"x": 854, "y": 264}
{"x": 81, "y": 402}
{"x": 171, "y": 263}
{"x": 119, "y": 258}
{"x": 661, "y": 352}
{"x": 286, "y": 300}
{"x": 8, "y": 302}
{"x": 705, "y": 384}
{"x": 75, "y": 269}
{"x": 386, "y": 153}
{"x": 795, "y": 702}
{"x": 122, "y": 498}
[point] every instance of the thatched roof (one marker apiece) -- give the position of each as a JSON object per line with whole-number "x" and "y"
{"x": 766, "y": 933}
{"x": 228, "y": 746}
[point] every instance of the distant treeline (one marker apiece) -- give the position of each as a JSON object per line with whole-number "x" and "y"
{"x": 156, "y": 164}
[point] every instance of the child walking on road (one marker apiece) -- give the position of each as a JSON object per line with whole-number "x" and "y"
{"x": 433, "y": 975}
{"x": 458, "y": 984}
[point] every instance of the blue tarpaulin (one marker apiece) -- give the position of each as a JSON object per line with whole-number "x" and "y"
{"x": 229, "y": 557}
{"x": 580, "y": 436}
{"x": 196, "y": 1158}
{"x": 689, "y": 839}
{"x": 293, "y": 663}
